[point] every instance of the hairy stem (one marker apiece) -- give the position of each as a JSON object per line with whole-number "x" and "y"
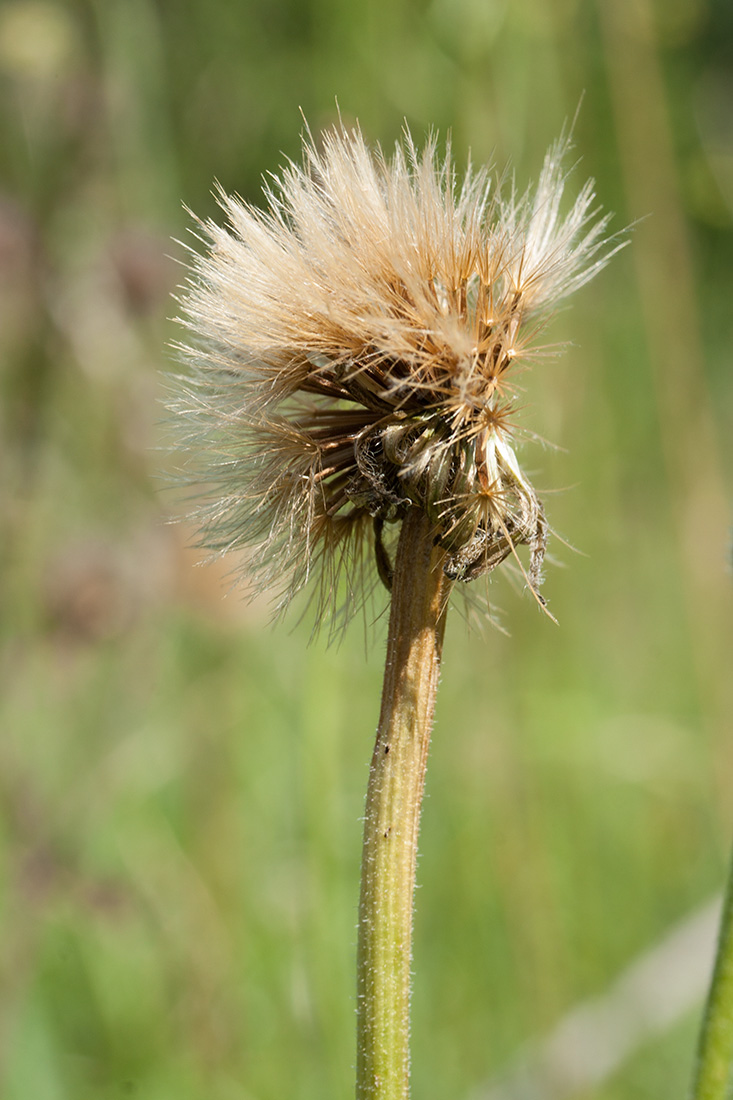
{"x": 714, "y": 1068}
{"x": 394, "y": 795}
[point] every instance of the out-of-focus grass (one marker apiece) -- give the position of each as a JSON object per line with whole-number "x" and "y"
{"x": 182, "y": 786}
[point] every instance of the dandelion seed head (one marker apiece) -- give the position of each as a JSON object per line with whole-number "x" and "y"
{"x": 351, "y": 355}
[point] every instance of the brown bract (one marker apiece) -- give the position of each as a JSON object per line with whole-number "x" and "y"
{"x": 353, "y": 350}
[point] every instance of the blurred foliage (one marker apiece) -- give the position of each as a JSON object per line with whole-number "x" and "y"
{"x": 181, "y": 785}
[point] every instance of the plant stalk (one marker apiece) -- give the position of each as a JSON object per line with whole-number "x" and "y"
{"x": 714, "y": 1066}
{"x": 394, "y": 796}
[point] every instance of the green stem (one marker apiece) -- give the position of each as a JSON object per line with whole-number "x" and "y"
{"x": 394, "y": 795}
{"x": 714, "y": 1067}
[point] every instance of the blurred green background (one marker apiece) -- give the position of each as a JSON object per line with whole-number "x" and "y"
{"x": 181, "y": 784}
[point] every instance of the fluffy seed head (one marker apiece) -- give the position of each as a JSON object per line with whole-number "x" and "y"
{"x": 353, "y": 354}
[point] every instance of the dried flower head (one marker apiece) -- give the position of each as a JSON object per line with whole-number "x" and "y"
{"x": 354, "y": 352}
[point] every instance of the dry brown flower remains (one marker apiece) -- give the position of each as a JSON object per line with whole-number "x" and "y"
{"x": 354, "y": 351}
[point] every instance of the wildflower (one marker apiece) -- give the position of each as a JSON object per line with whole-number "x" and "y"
{"x": 355, "y": 346}
{"x": 355, "y": 349}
